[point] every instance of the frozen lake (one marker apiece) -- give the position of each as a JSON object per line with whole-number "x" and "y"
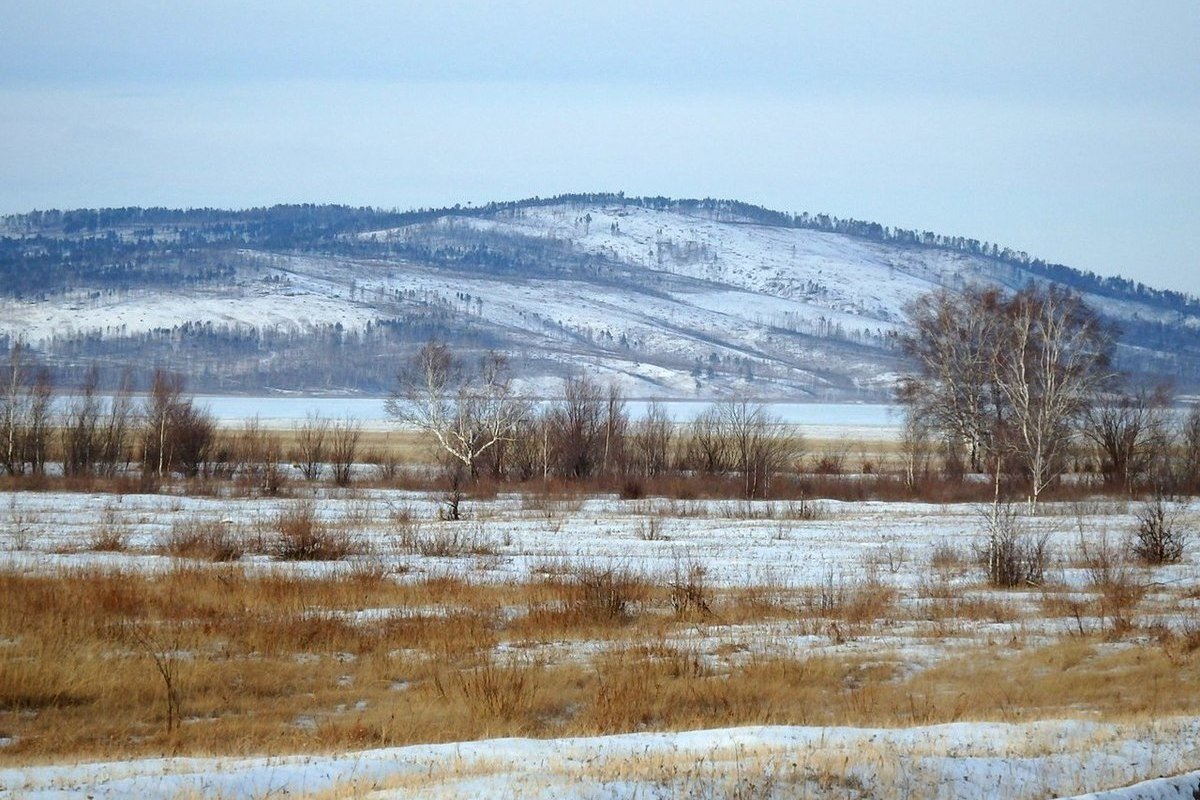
{"x": 861, "y": 421}
{"x": 858, "y": 420}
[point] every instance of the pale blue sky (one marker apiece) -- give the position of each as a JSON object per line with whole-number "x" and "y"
{"x": 1070, "y": 130}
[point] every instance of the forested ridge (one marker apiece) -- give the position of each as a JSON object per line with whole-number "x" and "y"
{"x": 829, "y": 337}
{"x": 33, "y": 241}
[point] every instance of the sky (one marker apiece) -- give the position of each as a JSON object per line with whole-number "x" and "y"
{"x": 1069, "y": 130}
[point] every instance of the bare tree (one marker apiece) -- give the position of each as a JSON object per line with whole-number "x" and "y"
{"x": 166, "y": 391}
{"x": 114, "y": 451}
{"x": 954, "y": 342}
{"x": 1190, "y": 446}
{"x": 915, "y": 449}
{"x": 578, "y": 426}
{"x": 1010, "y": 378}
{"x": 41, "y": 403}
{"x": 1053, "y": 363}
{"x": 14, "y": 411}
{"x": 652, "y": 439}
{"x": 193, "y": 433}
{"x": 258, "y": 453}
{"x": 1130, "y": 433}
{"x": 175, "y": 434}
{"x": 528, "y": 455}
{"x": 467, "y": 412}
{"x": 310, "y": 446}
{"x": 707, "y": 449}
{"x": 81, "y": 434}
{"x": 616, "y": 423}
{"x": 25, "y": 408}
{"x": 759, "y": 444}
{"x": 343, "y": 449}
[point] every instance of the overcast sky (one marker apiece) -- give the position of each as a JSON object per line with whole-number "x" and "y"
{"x": 1070, "y": 130}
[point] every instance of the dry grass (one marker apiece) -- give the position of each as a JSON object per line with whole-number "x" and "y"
{"x": 301, "y": 535}
{"x": 444, "y": 539}
{"x": 226, "y": 658}
{"x": 205, "y": 540}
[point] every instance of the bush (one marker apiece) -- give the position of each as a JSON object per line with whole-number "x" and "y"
{"x": 1160, "y": 536}
{"x": 111, "y": 536}
{"x": 652, "y": 529}
{"x": 1013, "y": 555}
{"x": 209, "y": 540}
{"x": 1111, "y": 578}
{"x": 446, "y": 540}
{"x": 606, "y": 595}
{"x": 689, "y": 590}
{"x": 301, "y": 536}
{"x": 633, "y": 489}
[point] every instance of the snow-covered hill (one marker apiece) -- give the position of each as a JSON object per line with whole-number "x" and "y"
{"x": 672, "y": 300}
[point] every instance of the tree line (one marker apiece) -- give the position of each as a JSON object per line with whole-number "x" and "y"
{"x": 1011, "y": 385}
{"x": 1019, "y": 387}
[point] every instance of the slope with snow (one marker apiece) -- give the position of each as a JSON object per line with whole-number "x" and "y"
{"x": 670, "y": 302}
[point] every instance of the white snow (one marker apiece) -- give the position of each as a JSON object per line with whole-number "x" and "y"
{"x": 962, "y": 760}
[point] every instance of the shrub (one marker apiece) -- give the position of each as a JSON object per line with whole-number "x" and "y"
{"x": 1160, "y": 536}
{"x": 1012, "y": 555}
{"x": 447, "y": 540}
{"x": 947, "y": 557}
{"x": 1110, "y": 576}
{"x": 606, "y": 594}
{"x": 214, "y": 541}
{"x": 505, "y": 691}
{"x": 301, "y": 536}
{"x": 652, "y": 529}
{"x": 633, "y": 489}
{"x": 111, "y": 536}
{"x": 689, "y": 590}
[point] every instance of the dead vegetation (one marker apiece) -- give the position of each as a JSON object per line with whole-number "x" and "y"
{"x": 222, "y": 658}
{"x": 301, "y": 535}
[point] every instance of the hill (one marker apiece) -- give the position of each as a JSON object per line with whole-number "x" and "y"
{"x": 675, "y": 298}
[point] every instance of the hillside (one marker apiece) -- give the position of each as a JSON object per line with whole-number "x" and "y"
{"x": 674, "y": 298}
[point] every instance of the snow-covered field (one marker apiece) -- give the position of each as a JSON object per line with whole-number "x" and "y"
{"x": 957, "y": 762}
{"x": 829, "y": 547}
{"x": 738, "y": 542}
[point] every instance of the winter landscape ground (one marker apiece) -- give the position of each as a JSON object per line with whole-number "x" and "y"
{"x": 561, "y": 643}
{"x": 195, "y": 604}
{"x": 409, "y": 400}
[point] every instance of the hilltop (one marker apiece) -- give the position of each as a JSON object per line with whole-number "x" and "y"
{"x": 674, "y": 298}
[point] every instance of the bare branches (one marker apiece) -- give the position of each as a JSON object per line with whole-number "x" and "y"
{"x": 1052, "y": 365}
{"x": 1007, "y": 378}
{"x": 25, "y": 407}
{"x": 310, "y": 446}
{"x": 466, "y": 412}
{"x": 175, "y": 434}
{"x": 343, "y": 449}
{"x": 1131, "y": 433}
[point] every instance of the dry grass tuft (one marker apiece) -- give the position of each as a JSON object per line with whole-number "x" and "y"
{"x": 111, "y": 535}
{"x": 300, "y": 535}
{"x": 200, "y": 539}
{"x": 445, "y": 540}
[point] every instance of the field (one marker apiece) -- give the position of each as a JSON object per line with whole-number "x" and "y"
{"x": 343, "y": 642}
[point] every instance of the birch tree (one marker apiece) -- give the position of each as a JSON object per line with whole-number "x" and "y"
{"x": 14, "y": 412}
{"x": 1052, "y": 366}
{"x": 954, "y": 343}
{"x": 467, "y": 412}
{"x": 1012, "y": 378}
